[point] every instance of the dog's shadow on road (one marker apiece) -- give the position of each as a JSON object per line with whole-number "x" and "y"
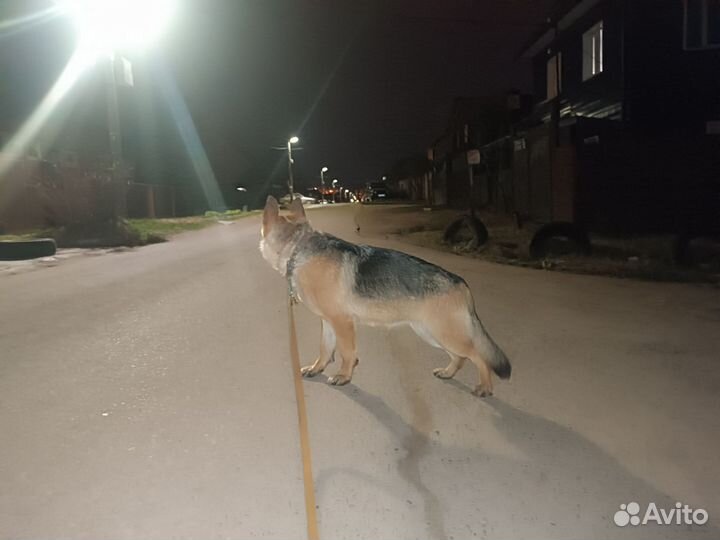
{"x": 413, "y": 442}
{"x": 555, "y": 479}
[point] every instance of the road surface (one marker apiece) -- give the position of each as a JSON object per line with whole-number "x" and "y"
{"x": 148, "y": 394}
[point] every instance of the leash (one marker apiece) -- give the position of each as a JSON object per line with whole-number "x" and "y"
{"x": 312, "y": 526}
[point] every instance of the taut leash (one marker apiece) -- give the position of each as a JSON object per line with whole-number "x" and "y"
{"x": 312, "y": 526}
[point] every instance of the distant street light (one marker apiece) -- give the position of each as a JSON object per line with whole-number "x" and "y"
{"x": 240, "y": 189}
{"x": 104, "y": 27}
{"x": 291, "y": 182}
{"x": 322, "y": 184}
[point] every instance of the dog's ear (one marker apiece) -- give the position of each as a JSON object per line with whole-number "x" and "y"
{"x": 298, "y": 211}
{"x": 270, "y": 213}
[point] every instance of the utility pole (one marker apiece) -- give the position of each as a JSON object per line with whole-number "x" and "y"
{"x": 558, "y": 83}
{"x": 291, "y": 182}
{"x": 322, "y": 184}
{"x": 117, "y": 176}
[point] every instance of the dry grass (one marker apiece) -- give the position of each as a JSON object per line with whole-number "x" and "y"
{"x": 640, "y": 257}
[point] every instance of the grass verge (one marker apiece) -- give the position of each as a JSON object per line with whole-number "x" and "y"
{"x": 131, "y": 232}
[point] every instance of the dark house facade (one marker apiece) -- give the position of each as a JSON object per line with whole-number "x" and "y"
{"x": 460, "y": 174}
{"x": 411, "y": 178}
{"x": 625, "y": 130}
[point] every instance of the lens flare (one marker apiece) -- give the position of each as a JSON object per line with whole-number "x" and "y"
{"x": 18, "y": 145}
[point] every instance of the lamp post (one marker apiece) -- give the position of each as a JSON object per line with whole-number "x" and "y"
{"x": 291, "y": 182}
{"x": 117, "y": 175}
{"x": 104, "y": 27}
{"x": 322, "y": 184}
{"x": 334, "y": 183}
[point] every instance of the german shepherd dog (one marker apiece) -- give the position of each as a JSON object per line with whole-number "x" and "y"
{"x": 345, "y": 283}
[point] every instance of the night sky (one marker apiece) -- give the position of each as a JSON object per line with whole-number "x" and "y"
{"x": 361, "y": 83}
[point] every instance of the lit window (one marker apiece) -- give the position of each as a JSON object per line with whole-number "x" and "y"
{"x": 702, "y": 24}
{"x": 554, "y": 76}
{"x": 593, "y": 51}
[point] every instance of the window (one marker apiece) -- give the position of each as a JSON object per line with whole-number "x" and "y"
{"x": 702, "y": 24}
{"x": 554, "y": 76}
{"x": 593, "y": 51}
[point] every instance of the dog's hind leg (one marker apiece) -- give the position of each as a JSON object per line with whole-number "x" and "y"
{"x": 455, "y": 334}
{"x": 327, "y": 350}
{"x": 345, "y": 332}
{"x": 485, "y": 387}
{"x": 456, "y": 362}
{"x": 448, "y": 372}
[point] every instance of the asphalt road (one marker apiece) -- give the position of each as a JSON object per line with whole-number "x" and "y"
{"x": 148, "y": 394}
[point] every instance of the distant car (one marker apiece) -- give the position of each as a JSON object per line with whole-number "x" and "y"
{"x": 303, "y": 199}
{"x": 318, "y": 196}
{"x": 375, "y": 191}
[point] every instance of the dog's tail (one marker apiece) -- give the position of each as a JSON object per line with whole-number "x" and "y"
{"x": 490, "y": 351}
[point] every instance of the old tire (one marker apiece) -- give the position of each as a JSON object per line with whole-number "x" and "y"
{"x": 27, "y": 249}
{"x": 473, "y": 225}
{"x": 575, "y": 238}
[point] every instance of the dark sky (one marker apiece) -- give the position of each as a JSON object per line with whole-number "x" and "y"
{"x": 361, "y": 83}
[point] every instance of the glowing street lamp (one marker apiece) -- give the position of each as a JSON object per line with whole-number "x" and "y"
{"x": 291, "y": 182}
{"x": 322, "y": 184}
{"x": 104, "y": 27}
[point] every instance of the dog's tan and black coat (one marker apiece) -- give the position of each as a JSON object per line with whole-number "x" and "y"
{"x": 345, "y": 283}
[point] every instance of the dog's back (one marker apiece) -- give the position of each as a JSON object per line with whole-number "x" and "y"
{"x": 379, "y": 273}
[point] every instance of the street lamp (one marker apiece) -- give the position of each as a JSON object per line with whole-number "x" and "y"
{"x": 322, "y": 184}
{"x": 104, "y": 27}
{"x": 291, "y": 183}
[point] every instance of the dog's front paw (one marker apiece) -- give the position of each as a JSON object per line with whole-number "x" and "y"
{"x": 309, "y": 371}
{"x": 481, "y": 391}
{"x": 442, "y": 373}
{"x": 339, "y": 380}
